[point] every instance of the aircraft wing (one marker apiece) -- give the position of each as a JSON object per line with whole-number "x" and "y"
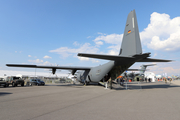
{"x": 153, "y": 60}
{"x": 74, "y": 69}
{"x": 106, "y": 57}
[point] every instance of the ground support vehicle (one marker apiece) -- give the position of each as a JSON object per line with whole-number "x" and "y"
{"x": 3, "y": 82}
{"x": 14, "y": 81}
{"x": 36, "y": 82}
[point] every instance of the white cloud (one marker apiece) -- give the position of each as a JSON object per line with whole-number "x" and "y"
{"x": 29, "y": 56}
{"x": 18, "y": 51}
{"x": 94, "y": 60}
{"x": 155, "y": 55}
{"x": 88, "y": 48}
{"x": 111, "y": 39}
{"x": 46, "y": 63}
{"x": 88, "y": 59}
{"x": 46, "y": 57}
{"x": 101, "y": 33}
{"x": 170, "y": 44}
{"x": 163, "y": 33}
{"x": 76, "y": 43}
{"x": 36, "y": 61}
{"x": 112, "y": 52}
{"x": 85, "y": 48}
{"x": 161, "y": 69}
{"x": 99, "y": 43}
{"x": 40, "y": 62}
{"x": 83, "y": 58}
{"x": 114, "y": 49}
{"x": 89, "y": 37}
{"x": 31, "y": 73}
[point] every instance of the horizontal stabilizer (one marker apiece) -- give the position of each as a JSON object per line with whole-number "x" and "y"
{"x": 50, "y": 67}
{"x": 153, "y": 60}
{"x": 149, "y": 65}
{"x": 105, "y": 57}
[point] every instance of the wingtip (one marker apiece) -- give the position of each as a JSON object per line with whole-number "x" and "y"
{"x": 8, "y": 64}
{"x": 79, "y": 54}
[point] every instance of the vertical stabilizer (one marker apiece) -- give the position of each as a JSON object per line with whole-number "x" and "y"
{"x": 131, "y": 44}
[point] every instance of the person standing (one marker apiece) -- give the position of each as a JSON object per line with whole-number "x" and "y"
{"x": 110, "y": 83}
{"x": 170, "y": 80}
{"x": 121, "y": 82}
{"x": 165, "y": 80}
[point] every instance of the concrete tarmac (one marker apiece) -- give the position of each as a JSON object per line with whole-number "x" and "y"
{"x": 145, "y": 101}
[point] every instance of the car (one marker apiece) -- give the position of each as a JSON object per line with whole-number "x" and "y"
{"x": 14, "y": 81}
{"x": 36, "y": 82}
{"x": 3, "y": 82}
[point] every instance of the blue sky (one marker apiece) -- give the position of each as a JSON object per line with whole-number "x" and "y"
{"x": 51, "y": 32}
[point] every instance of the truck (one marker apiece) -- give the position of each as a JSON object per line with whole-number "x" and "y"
{"x": 14, "y": 81}
{"x": 3, "y": 82}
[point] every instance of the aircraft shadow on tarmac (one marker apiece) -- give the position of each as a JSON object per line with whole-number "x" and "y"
{"x": 75, "y": 85}
{"x": 69, "y": 85}
{"x": 146, "y": 86}
{"x": 130, "y": 86}
{"x": 159, "y": 86}
{"x": 4, "y": 93}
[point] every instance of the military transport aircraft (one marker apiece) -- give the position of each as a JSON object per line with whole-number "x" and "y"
{"x": 142, "y": 70}
{"x": 130, "y": 52}
{"x": 139, "y": 74}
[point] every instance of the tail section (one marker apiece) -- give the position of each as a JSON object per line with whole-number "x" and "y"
{"x": 131, "y": 44}
{"x": 130, "y": 47}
